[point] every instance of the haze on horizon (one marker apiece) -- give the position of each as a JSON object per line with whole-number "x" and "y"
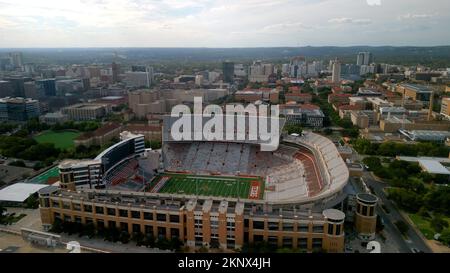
{"x": 222, "y": 23}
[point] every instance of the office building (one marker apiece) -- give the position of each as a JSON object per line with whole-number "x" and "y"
{"x": 138, "y": 79}
{"x": 86, "y": 111}
{"x": 17, "y": 84}
{"x": 364, "y": 58}
{"x": 18, "y": 109}
{"x": 54, "y": 118}
{"x": 6, "y": 89}
{"x": 115, "y": 72}
{"x": 46, "y": 88}
{"x": 228, "y": 72}
{"x": 298, "y": 67}
{"x": 260, "y": 72}
{"x": 16, "y": 59}
{"x": 415, "y": 92}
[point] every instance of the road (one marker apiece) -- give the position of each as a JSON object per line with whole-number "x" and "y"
{"x": 414, "y": 239}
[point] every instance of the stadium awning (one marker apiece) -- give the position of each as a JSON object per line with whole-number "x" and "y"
{"x": 19, "y": 192}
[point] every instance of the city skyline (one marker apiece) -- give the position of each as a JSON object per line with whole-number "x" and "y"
{"x": 204, "y": 23}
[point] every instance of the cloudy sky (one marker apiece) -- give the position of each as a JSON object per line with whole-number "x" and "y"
{"x": 222, "y": 23}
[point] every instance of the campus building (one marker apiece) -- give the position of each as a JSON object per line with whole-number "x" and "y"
{"x": 18, "y": 109}
{"x": 86, "y": 111}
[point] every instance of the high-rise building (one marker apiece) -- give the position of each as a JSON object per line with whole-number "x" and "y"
{"x": 137, "y": 79}
{"x": 260, "y": 72}
{"x": 364, "y": 58}
{"x": 16, "y": 59}
{"x": 336, "y": 71}
{"x": 18, "y": 109}
{"x": 298, "y": 67}
{"x": 6, "y": 89}
{"x": 46, "y": 88}
{"x": 115, "y": 72}
{"x": 30, "y": 90}
{"x": 228, "y": 72}
{"x": 17, "y": 84}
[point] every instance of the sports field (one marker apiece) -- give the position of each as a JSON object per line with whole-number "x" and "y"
{"x": 234, "y": 187}
{"x": 62, "y": 140}
{"x": 44, "y": 177}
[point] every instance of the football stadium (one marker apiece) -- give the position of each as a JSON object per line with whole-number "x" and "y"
{"x": 210, "y": 194}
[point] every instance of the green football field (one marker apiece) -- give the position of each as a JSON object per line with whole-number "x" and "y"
{"x": 62, "y": 140}
{"x": 189, "y": 184}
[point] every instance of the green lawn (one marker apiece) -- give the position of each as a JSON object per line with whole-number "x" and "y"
{"x": 62, "y": 140}
{"x": 210, "y": 185}
{"x": 423, "y": 224}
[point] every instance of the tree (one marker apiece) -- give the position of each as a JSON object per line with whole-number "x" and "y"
{"x": 373, "y": 163}
{"x": 138, "y": 237}
{"x": 32, "y": 202}
{"x": 149, "y": 240}
{"x": 162, "y": 243}
{"x": 57, "y": 226}
{"x": 175, "y": 244}
{"x": 124, "y": 237}
{"x": 328, "y": 131}
{"x": 379, "y": 225}
{"x": 445, "y": 237}
{"x": 2, "y": 211}
{"x": 18, "y": 163}
{"x": 402, "y": 227}
{"x": 89, "y": 230}
{"x": 293, "y": 129}
{"x": 438, "y": 223}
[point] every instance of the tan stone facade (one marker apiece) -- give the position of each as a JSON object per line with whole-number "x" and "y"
{"x": 366, "y": 216}
{"x": 208, "y": 223}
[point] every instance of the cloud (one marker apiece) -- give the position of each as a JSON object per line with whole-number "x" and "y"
{"x": 410, "y": 16}
{"x": 286, "y": 27}
{"x": 217, "y": 23}
{"x": 374, "y": 2}
{"x": 346, "y": 20}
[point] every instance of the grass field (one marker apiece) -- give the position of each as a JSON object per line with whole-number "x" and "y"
{"x": 210, "y": 185}
{"x": 423, "y": 224}
{"x": 62, "y": 140}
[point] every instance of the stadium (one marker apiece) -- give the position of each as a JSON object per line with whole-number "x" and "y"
{"x": 304, "y": 169}
{"x": 212, "y": 193}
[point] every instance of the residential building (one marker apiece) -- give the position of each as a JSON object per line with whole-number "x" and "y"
{"x": 336, "y": 71}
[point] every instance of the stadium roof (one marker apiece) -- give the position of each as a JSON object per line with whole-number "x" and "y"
{"x": 19, "y": 192}
{"x": 433, "y": 167}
